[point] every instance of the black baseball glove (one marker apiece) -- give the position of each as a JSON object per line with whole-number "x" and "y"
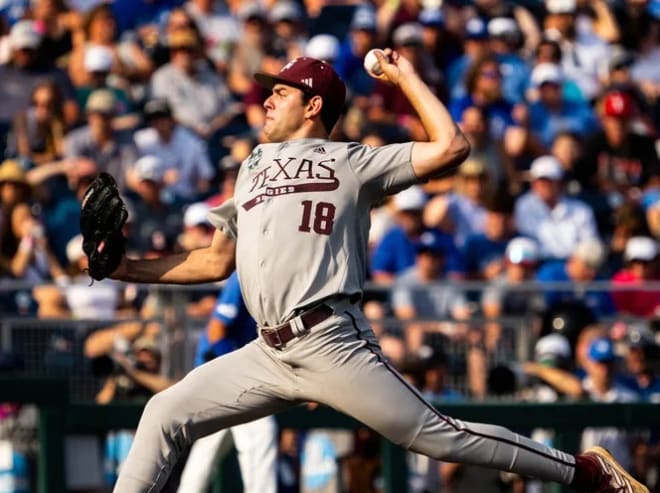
{"x": 102, "y": 216}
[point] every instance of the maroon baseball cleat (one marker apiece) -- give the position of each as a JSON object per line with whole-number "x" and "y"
{"x": 607, "y": 474}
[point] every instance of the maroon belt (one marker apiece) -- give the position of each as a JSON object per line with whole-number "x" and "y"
{"x": 278, "y": 336}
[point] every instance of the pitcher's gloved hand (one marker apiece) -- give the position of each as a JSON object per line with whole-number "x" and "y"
{"x": 102, "y": 217}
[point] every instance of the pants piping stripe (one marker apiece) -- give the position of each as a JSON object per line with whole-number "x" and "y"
{"x": 436, "y": 412}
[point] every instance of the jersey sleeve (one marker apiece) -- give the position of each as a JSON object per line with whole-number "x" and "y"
{"x": 223, "y": 218}
{"x": 230, "y": 301}
{"x": 383, "y": 170}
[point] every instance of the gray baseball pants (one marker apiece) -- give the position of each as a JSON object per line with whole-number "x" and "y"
{"x": 339, "y": 364}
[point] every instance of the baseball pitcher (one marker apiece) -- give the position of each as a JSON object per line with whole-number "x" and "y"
{"x": 296, "y": 231}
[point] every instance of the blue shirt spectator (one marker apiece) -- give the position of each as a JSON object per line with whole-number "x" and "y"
{"x": 498, "y": 113}
{"x": 231, "y": 311}
{"x": 599, "y": 301}
{"x": 396, "y": 252}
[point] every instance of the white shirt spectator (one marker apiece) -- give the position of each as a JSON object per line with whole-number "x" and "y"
{"x": 185, "y": 153}
{"x": 613, "y": 439}
{"x": 558, "y": 230}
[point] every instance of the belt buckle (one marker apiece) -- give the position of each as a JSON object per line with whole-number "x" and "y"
{"x": 279, "y": 343}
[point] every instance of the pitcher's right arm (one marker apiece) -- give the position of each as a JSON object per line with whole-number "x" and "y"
{"x": 210, "y": 264}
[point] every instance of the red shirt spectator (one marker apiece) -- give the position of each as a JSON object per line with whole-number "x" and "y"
{"x": 640, "y": 255}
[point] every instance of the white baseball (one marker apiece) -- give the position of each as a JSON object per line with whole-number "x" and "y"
{"x": 371, "y": 64}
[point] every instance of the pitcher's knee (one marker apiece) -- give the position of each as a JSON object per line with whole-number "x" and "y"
{"x": 166, "y": 411}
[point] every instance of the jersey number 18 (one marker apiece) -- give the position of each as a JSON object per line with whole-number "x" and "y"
{"x": 324, "y": 216}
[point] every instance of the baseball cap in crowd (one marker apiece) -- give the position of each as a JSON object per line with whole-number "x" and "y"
{"x": 251, "y": 11}
{"x": 430, "y": 242}
{"x": 475, "y": 28}
{"x": 183, "y": 38}
{"x": 408, "y": 34}
{"x": 502, "y": 27}
{"x": 522, "y": 251}
{"x": 431, "y": 17}
{"x": 323, "y": 47}
{"x": 146, "y": 343}
{"x": 546, "y": 73}
{"x": 560, "y": 6}
{"x": 640, "y": 248}
{"x": 74, "y": 251}
{"x": 621, "y": 58}
{"x": 547, "y": 167}
{"x": 285, "y": 11}
{"x": 196, "y": 214}
{"x": 228, "y": 163}
{"x": 314, "y": 77}
{"x": 590, "y": 251}
{"x": 98, "y": 58}
{"x": 472, "y": 167}
{"x": 601, "y": 350}
{"x": 101, "y": 101}
{"x": 150, "y": 168}
{"x": 410, "y": 199}
{"x": 552, "y": 350}
{"x": 364, "y": 19}
{"x": 24, "y": 35}
{"x": 11, "y": 171}
{"x": 618, "y": 104}
{"x": 157, "y": 108}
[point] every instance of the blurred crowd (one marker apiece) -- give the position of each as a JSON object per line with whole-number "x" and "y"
{"x": 556, "y": 211}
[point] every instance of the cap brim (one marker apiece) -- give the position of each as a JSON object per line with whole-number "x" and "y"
{"x": 269, "y": 81}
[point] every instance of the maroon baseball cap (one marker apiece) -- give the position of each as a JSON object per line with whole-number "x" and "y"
{"x": 314, "y": 77}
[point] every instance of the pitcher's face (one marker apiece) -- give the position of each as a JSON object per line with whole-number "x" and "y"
{"x": 285, "y": 112}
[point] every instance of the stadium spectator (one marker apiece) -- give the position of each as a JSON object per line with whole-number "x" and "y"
{"x": 130, "y": 63}
{"x": 38, "y": 131}
{"x": 188, "y": 170}
{"x": 483, "y": 250}
{"x": 504, "y": 39}
{"x": 58, "y": 24}
{"x": 197, "y": 230}
{"x": 483, "y": 82}
{"x": 640, "y": 257}
{"x": 602, "y": 384}
{"x": 24, "y": 72}
{"x": 441, "y": 44}
{"x": 288, "y": 24}
{"x": 475, "y": 47}
{"x": 556, "y": 222}
{"x": 617, "y": 160}
{"x": 133, "y": 373}
{"x": 112, "y": 151}
{"x": 521, "y": 260}
{"x": 418, "y": 294}
{"x": 26, "y": 253}
{"x": 485, "y": 148}
{"x": 199, "y": 98}
{"x": 396, "y": 250}
{"x": 323, "y": 47}
{"x": 552, "y": 114}
{"x": 152, "y": 211}
{"x": 388, "y": 105}
{"x": 74, "y": 298}
{"x": 229, "y": 166}
{"x": 583, "y": 51}
{"x": 220, "y": 30}
{"x": 462, "y": 212}
{"x": 255, "y": 38}
{"x": 98, "y": 63}
{"x": 349, "y": 63}
{"x": 581, "y": 267}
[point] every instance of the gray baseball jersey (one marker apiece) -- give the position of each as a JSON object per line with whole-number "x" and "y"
{"x": 302, "y": 209}
{"x": 300, "y": 217}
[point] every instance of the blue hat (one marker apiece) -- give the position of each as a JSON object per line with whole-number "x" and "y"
{"x": 476, "y": 28}
{"x": 602, "y": 350}
{"x": 431, "y": 18}
{"x": 364, "y": 19}
{"x": 430, "y": 241}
